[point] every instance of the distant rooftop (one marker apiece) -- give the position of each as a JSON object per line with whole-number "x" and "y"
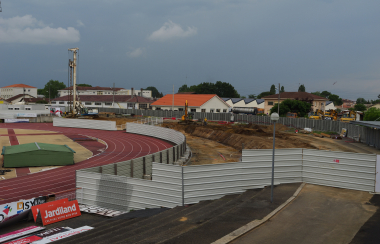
{"x": 19, "y": 86}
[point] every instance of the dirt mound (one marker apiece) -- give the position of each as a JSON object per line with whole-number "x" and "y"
{"x": 251, "y": 135}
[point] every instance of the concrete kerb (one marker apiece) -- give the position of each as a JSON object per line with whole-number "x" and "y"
{"x": 255, "y": 223}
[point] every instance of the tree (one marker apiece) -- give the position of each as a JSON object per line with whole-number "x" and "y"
{"x": 335, "y": 99}
{"x": 282, "y": 89}
{"x": 244, "y": 97}
{"x": 360, "y": 107}
{"x": 361, "y": 100}
{"x": 222, "y": 89}
{"x": 252, "y": 96}
{"x": 184, "y": 88}
{"x": 264, "y": 94}
{"x": 294, "y": 106}
{"x": 155, "y": 92}
{"x": 52, "y": 88}
{"x": 301, "y": 88}
{"x": 40, "y": 91}
{"x": 372, "y": 114}
{"x": 326, "y": 94}
{"x": 84, "y": 85}
{"x": 272, "y": 90}
{"x": 317, "y": 93}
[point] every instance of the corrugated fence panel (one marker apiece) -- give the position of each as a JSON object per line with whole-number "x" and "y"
{"x": 85, "y": 123}
{"x": 124, "y": 193}
{"x": 339, "y": 169}
{"x": 203, "y": 182}
{"x": 155, "y": 131}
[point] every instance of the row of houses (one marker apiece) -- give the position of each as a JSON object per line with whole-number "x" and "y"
{"x": 142, "y": 99}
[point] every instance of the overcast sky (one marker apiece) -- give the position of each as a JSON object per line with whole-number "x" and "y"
{"x": 325, "y": 45}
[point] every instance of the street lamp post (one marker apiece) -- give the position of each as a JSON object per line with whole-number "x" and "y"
{"x": 274, "y": 117}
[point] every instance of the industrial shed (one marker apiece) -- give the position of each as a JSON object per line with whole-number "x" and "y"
{"x": 37, "y": 154}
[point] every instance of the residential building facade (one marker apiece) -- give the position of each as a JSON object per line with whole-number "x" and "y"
{"x": 97, "y": 90}
{"x": 107, "y": 101}
{"x": 7, "y": 92}
{"x": 316, "y": 102}
{"x": 206, "y": 103}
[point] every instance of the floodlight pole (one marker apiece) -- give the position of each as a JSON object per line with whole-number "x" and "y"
{"x": 274, "y": 137}
{"x": 274, "y": 117}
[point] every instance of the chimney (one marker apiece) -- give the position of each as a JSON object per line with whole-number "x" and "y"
{"x": 141, "y": 92}
{"x": 132, "y": 92}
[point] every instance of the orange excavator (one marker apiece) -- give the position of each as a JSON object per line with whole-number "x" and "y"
{"x": 187, "y": 118}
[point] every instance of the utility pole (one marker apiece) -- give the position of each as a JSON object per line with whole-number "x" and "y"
{"x": 278, "y": 105}
{"x": 113, "y": 93}
{"x": 0, "y": 7}
{"x": 73, "y": 64}
{"x": 173, "y": 100}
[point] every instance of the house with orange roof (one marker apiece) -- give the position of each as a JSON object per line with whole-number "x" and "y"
{"x": 7, "y": 92}
{"x": 205, "y": 103}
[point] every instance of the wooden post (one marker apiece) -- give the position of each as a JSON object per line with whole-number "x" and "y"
{"x": 144, "y": 166}
{"x": 161, "y": 157}
{"x": 167, "y": 156}
{"x": 100, "y": 169}
{"x": 115, "y": 169}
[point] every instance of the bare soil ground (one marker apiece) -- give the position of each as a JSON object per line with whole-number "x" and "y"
{"x": 208, "y": 141}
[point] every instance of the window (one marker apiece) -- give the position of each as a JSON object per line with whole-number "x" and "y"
{"x": 224, "y": 110}
{"x": 131, "y": 105}
{"x": 218, "y": 110}
{"x": 193, "y": 110}
{"x": 270, "y": 103}
{"x": 87, "y": 103}
{"x": 203, "y": 110}
{"x": 108, "y": 104}
{"x": 211, "y": 110}
{"x": 29, "y": 90}
{"x": 28, "y": 109}
{"x": 10, "y": 108}
{"x": 143, "y": 105}
{"x": 158, "y": 108}
{"x": 61, "y": 102}
{"x": 99, "y": 93}
{"x": 180, "y": 109}
{"x": 93, "y": 92}
{"x": 53, "y": 102}
{"x": 17, "y": 108}
{"x": 69, "y": 102}
{"x": 98, "y": 103}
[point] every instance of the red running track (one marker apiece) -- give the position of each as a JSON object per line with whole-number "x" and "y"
{"x": 121, "y": 147}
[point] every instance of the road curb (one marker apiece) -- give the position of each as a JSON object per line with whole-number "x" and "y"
{"x": 255, "y": 223}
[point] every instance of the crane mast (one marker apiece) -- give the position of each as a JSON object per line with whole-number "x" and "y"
{"x": 73, "y": 65}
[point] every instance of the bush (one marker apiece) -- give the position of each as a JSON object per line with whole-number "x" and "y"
{"x": 372, "y": 114}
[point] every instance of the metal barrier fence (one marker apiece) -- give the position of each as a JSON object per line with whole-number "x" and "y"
{"x": 353, "y": 131}
{"x": 173, "y": 185}
{"x": 85, "y": 123}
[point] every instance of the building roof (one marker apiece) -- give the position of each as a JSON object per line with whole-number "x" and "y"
{"x": 193, "y": 100}
{"x": 34, "y": 146}
{"x": 236, "y": 100}
{"x": 248, "y": 100}
{"x": 17, "y": 96}
{"x": 226, "y": 99}
{"x": 296, "y": 96}
{"x": 259, "y": 101}
{"x": 19, "y": 86}
{"x": 95, "y": 88}
{"x": 328, "y": 102}
{"x": 108, "y": 98}
{"x": 33, "y": 100}
{"x": 371, "y": 124}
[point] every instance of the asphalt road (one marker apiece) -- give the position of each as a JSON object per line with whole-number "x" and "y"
{"x": 318, "y": 215}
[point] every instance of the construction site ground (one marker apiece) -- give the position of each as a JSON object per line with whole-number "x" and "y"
{"x": 209, "y": 142}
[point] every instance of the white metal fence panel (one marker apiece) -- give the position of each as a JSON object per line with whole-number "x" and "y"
{"x": 159, "y": 132}
{"x": 85, "y": 123}
{"x": 125, "y": 193}
{"x": 205, "y": 182}
{"x": 355, "y": 171}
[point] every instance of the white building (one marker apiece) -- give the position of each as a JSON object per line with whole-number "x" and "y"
{"x": 330, "y": 105}
{"x": 97, "y": 90}
{"x": 107, "y": 101}
{"x": 245, "y": 102}
{"x": 196, "y": 103}
{"x": 16, "y": 89}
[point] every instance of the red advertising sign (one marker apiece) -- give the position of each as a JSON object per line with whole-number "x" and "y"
{"x": 59, "y": 212}
{"x": 336, "y": 160}
{"x": 26, "y": 240}
{"x": 44, "y": 205}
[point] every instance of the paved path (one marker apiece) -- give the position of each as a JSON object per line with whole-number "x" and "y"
{"x": 121, "y": 147}
{"x": 318, "y": 215}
